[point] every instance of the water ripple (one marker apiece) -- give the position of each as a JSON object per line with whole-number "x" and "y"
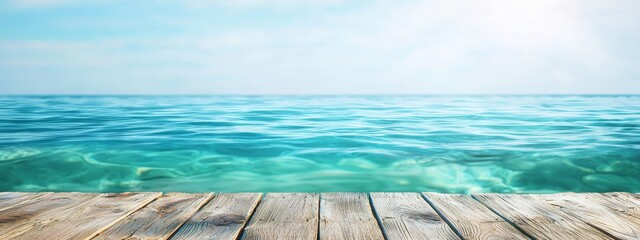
{"x": 387, "y": 143}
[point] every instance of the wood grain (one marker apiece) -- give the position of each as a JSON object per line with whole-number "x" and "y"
{"x": 347, "y": 216}
{"x": 88, "y": 219}
{"x": 223, "y": 217}
{"x": 10, "y": 199}
{"x": 285, "y": 216}
{"x": 408, "y": 216}
{"x": 24, "y": 217}
{"x": 626, "y": 204}
{"x": 309, "y": 216}
{"x": 608, "y": 213}
{"x": 159, "y": 219}
{"x": 538, "y": 218}
{"x": 472, "y": 219}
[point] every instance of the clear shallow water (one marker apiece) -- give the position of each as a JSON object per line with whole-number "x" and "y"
{"x": 229, "y": 143}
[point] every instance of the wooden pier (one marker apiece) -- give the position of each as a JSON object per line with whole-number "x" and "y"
{"x": 55, "y": 216}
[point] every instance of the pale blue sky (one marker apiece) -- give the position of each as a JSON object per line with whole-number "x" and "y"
{"x": 319, "y": 47}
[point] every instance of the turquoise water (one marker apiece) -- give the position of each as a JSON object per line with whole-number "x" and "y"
{"x": 457, "y": 144}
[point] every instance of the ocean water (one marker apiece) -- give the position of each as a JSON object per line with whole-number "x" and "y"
{"x": 457, "y": 144}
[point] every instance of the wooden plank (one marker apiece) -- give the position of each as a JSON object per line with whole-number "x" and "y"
{"x": 223, "y": 217}
{"x": 597, "y": 210}
{"x": 159, "y": 219}
{"x": 285, "y": 216}
{"x": 539, "y": 219}
{"x": 626, "y": 204}
{"x": 472, "y": 219}
{"x": 408, "y": 216}
{"x": 10, "y": 199}
{"x": 89, "y": 219}
{"x": 342, "y": 216}
{"x": 23, "y": 217}
{"x": 347, "y": 216}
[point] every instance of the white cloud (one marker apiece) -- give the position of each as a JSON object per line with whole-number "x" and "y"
{"x": 254, "y": 3}
{"x": 45, "y": 3}
{"x": 494, "y": 46}
{"x": 284, "y": 4}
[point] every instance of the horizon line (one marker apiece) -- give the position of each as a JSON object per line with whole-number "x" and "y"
{"x": 308, "y": 95}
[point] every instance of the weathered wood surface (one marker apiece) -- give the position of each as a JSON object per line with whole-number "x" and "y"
{"x": 159, "y": 219}
{"x": 10, "y": 199}
{"x": 408, "y": 216}
{"x": 285, "y": 216}
{"x": 38, "y": 212}
{"x": 538, "y": 218}
{"x": 223, "y": 217}
{"x": 600, "y": 211}
{"x": 347, "y": 216}
{"x": 625, "y": 204}
{"x": 88, "y": 219}
{"x": 312, "y": 216}
{"x": 472, "y": 219}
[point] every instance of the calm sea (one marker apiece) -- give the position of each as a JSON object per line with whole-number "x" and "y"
{"x": 457, "y": 144}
